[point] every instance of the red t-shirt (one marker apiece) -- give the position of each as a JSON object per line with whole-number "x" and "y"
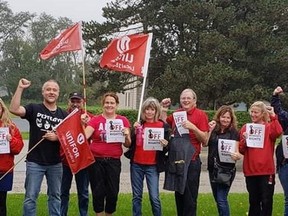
{"x": 146, "y": 157}
{"x": 99, "y": 147}
{"x": 200, "y": 120}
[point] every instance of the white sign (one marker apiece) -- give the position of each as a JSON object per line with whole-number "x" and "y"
{"x": 255, "y": 135}
{"x": 4, "y": 143}
{"x": 114, "y": 128}
{"x": 285, "y": 145}
{"x": 179, "y": 118}
{"x": 225, "y": 148}
{"x": 152, "y": 138}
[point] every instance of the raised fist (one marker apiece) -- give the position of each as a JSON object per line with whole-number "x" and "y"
{"x": 277, "y": 90}
{"x": 24, "y": 83}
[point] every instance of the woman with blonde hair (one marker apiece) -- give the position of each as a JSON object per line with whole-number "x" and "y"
{"x": 13, "y": 136}
{"x": 258, "y": 163}
{"x": 222, "y": 128}
{"x": 147, "y": 163}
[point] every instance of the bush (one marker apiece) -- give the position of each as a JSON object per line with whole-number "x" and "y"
{"x": 242, "y": 117}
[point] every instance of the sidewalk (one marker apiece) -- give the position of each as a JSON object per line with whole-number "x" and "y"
{"x": 238, "y": 185}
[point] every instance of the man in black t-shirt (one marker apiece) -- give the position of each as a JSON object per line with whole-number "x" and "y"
{"x": 44, "y": 158}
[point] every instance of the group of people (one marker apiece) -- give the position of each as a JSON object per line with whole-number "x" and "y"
{"x": 183, "y": 134}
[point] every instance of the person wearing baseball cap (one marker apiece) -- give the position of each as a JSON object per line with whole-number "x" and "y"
{"x": 76, "y": 100}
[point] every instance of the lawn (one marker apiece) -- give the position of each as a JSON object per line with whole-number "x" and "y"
{"x": 206, "y": 205}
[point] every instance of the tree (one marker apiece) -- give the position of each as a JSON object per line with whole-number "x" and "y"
{"x": 11, "y": 24}
{"x": 20, "y": 57}
{"x": 226, "y": 50}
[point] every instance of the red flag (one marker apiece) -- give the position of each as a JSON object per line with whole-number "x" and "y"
{"x": 127, "y": 54}
{"x": 68, "y": 40}
{"x": 74, "y": 143}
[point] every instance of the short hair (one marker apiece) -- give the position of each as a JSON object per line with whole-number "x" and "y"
{"x": 220, "y": 112}
{"x": 110, "y": 94}
{"x": 262, "y": 106}
{"x": 191, "y": 91}
{"x": 153, "y": 103}
{"x": 51, "y": 80}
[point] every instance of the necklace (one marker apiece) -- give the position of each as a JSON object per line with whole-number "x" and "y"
{"x": 53, "y": 111}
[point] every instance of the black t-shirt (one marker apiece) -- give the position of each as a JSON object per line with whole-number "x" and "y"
{"x": 41, "y": 120}
{"x": 231, "y": 134}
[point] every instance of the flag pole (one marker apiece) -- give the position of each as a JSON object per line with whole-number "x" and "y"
{"x": 83, "y": 68}
{"x": 145, "y": 72}
{"x": 21, "y": 159}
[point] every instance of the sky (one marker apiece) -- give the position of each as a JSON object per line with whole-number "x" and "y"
{"x": 76, "y": 10}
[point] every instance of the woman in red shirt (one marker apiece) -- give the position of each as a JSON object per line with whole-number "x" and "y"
{"x": 258, "y": 162}
{"x": 7, "y": 159}
{"x": 147, "y": 163}
{"x": 104, "y": 173}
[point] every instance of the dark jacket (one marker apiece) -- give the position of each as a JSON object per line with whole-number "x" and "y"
{"x": 181, "y": 151}
{"x": 280, "y": 159}
{"x": 283, "y": 119}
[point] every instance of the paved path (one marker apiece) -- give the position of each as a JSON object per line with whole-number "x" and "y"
{"x": 238, "y": 185}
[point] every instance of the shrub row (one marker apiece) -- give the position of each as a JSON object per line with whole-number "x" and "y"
{"x": 242, "y": 117}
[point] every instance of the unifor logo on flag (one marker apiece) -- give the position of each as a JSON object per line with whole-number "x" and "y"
{"x": 68, "y": 40}
{"x": 126, "y": 54}
{"x": 74, "y": 143}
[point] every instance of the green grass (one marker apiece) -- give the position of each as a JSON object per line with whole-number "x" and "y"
{"x": 25, "y": 135}
{"x": 206, "y": 205}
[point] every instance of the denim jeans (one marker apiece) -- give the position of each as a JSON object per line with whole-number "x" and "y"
{"x": 283, "y": 176}
{"x": 138, "y": 172}
{"x": 220, "y": 194}
{"x": 33, "y": 181}
{"x": 82, "y": 183}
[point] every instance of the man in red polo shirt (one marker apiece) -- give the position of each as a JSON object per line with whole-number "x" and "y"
{"x": 197, "y": 124}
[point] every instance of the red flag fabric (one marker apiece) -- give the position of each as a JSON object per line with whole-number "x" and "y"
{"x": 126, "y": 54}
{"x": 74, "y": 143}
{"x": 68, "y": 40}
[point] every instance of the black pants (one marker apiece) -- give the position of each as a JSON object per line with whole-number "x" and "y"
{"x": 187, "y": 203}
{"x": 261, "y": 190}
{"x": 104, "y": 176}
{"x": 3, "y": 208}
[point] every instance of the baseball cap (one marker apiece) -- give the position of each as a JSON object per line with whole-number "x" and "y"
{"x": 75, "y": 95}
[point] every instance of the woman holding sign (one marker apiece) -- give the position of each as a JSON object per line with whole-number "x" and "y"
{"x": 223, "y": 151}
{"x": 11, "y": 145}
{"x": 257, "y": 143}
{"x": 147, "y": 155}
{"x": 107, "y": 132}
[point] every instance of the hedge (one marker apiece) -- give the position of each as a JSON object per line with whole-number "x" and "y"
{"x": 242, "y": 117}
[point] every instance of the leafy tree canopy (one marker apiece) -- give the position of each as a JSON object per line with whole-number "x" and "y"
{"x": 226, "y": 50}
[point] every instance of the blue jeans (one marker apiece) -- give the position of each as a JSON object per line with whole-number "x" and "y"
{"x": 82, "y": 183}
{"x": 33, "y": 181}
{"x": 138, "y": 172}
{"x": 283, "y": 176}
{"x": 220, "y": 194}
